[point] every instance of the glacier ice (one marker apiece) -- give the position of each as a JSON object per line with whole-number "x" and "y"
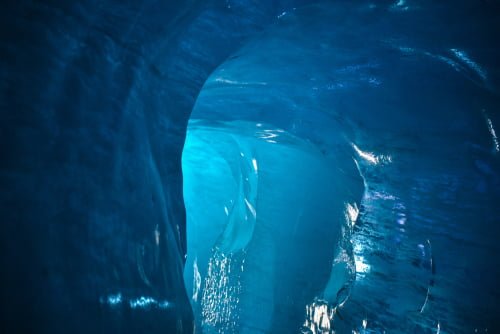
{"x": 260, "y": 235}
{"x": 340, "y": 168}
{"x": 346, "y": 129}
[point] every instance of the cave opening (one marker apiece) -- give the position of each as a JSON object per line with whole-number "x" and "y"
{"x": 270, "y": 197}
{"x": 297, "y": 183}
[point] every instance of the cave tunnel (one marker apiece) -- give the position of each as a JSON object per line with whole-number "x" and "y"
{"x": 244, "y": 166}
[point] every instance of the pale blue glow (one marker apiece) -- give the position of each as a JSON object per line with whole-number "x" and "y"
{"x": 115, "y": 299}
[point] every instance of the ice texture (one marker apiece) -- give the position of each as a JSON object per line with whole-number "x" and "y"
{"x": 335, "y": 169}
{"x": 95, "y": 98}
{"x": 341, "y": 166}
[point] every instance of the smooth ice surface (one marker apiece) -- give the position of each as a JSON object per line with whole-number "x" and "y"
{"x": 267, "y": 218}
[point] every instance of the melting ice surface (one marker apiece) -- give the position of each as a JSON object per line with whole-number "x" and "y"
{"x": 342, "y": 175}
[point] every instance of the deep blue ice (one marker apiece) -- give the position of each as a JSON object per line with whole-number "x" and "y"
{"x": 244, "y": 166}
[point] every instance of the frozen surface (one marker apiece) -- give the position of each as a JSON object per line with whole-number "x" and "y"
{"x": 342, "y": 175}
{"x": 341, "y": 155}
{"x": 259, "y": 235}
{"x": 94, "y": 102}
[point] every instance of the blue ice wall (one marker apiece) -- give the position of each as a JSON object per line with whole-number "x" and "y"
{"x": 348, "y": 140}
{"x": 95, "y": 98}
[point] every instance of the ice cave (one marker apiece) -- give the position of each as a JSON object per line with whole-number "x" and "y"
{"x": 250, "y": 166}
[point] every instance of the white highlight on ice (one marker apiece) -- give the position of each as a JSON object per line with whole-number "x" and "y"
{"x": 281, "y": 15}
{"x": 493, "y": 134}
{"x": 370, "y": 157}
{"x": 115, "y": 299}
{"x": 352, "y": 213}
{"x": 141, "y": 302}
{"x": 362, "y": 267}
{"x": 470, "y": 63}
{"x": 254, "y": 163}
{"x": 196, "y": 280}
{"x": 251, "y": 208}
{"x": 144, "y": 302}
{"x": 241, "y": 83}
{"x": 319, "y": 317}
{"x": 269, "y": 135}
{"x": 400, "y": 5}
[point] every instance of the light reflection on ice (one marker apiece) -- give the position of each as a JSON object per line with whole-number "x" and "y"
{"x": 361, "y": 266}
{"x": 368, "y": 156}
{"x": 242, "y": 83}
{"x": 196, "y": 280}
{"x": 493, "y": 135}
{"x": 400, "y": 5}
{"x": 141, "y": 302}
{"x": 221, "y": 292}
{"x": 352, "y": 212}
{"x": 115, "y": 299}
{"x": 470, "y": 63}
{"x": 371, "y": 157}
{"x": 319, "y": 317}
{"x": 254, "y": 164}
